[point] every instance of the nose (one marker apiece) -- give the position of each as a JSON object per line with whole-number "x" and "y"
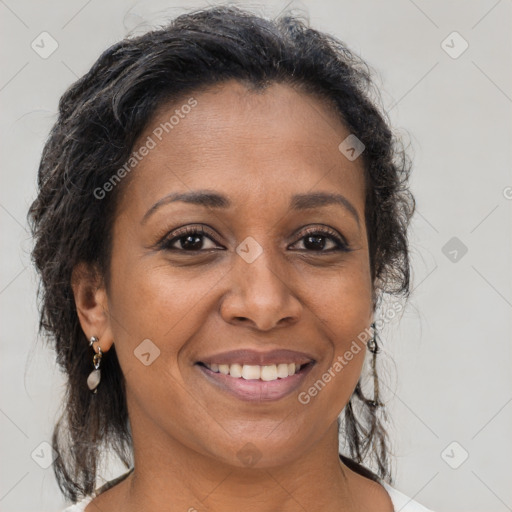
{"x": 260, "y": 295}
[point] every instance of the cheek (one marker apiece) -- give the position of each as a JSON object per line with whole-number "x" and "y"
{"x": 154, "y": 311}
{"x": 149, "y": 301}
{"x": 344, "y": 301}
{"x": 344, "y": 306}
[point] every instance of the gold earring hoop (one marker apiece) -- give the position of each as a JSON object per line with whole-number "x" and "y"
{"x": 95, "y": 376}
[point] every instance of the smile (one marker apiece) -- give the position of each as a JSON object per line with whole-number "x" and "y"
{"x": 255, "y": 383}
{"x": 253, "y": 372}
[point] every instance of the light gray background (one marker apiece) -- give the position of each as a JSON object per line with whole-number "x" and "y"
{"x": 451, "y": 381}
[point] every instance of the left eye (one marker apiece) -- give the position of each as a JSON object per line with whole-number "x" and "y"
{"x": 315, "y": 241}
{"x": 191, "y": 239}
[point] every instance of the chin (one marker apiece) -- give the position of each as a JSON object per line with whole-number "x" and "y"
{"x": 262, "y": 452}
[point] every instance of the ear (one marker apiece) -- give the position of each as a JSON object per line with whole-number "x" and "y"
{"x": 92, "y": 304}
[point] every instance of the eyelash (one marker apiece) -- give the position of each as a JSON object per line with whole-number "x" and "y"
{"x": 167, "y": 242}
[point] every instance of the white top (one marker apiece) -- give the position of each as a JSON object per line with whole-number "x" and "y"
{"x": 401, "y": 502}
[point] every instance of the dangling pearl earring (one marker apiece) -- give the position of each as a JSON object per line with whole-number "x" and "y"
{"x": 95, "y": 376}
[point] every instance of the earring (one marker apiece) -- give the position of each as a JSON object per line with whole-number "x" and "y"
{"x": 95, "y": 376}
{"x": 374, "y": 348}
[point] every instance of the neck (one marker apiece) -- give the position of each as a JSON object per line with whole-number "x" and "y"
{"x": 171, "y": 476}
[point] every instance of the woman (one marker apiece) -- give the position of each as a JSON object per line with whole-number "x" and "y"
{"x": 221, "y": 210}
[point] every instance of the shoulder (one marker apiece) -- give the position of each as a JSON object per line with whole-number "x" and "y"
{"x": 379, "y": 495}
{"x": 80, "y": 506}
{"x": 402, "y": 502}
{"x": 371, "y": 495}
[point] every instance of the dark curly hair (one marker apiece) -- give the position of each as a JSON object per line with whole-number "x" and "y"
{"x": 101, "y": 116}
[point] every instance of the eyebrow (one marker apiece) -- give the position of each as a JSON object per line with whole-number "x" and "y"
{"x": 210, "y": 199}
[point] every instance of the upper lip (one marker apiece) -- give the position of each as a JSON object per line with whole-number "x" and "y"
{"x": 255, "y": 357}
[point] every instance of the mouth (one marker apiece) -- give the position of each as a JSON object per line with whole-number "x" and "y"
{"x": 277, "y": 375}
{"x": 266, "y": 373}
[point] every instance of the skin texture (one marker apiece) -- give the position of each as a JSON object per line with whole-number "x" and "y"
{"x": 258, "y": 149}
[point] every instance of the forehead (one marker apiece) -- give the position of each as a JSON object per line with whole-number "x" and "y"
{"x": 259, "y": 147}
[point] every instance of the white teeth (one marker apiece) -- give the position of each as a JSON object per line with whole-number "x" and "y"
{"x": 253, "y": 372}
{"x": 269, "y": 372}
{"x": 250, "y": 371}
{"x": 235, "y": 370}
{"x": 282, "y": 370}
{"x": 223, "y": 368}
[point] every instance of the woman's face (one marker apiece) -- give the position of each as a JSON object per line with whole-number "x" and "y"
{"x": 262, "y": 279}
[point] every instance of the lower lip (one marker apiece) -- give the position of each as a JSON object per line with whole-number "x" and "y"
{"x": 256, "y": 389}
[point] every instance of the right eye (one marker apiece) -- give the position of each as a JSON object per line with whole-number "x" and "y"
{"x": 190, "y": 238}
